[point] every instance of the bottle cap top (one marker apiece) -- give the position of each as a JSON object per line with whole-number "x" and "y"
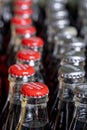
{"x": 71, "y": 72}
{"x": 59, "y": 15}
{"x": 58, "y": 24}
{"x": 54, "y": 6}
{"x": 20, "y": 70}
{"x": 23, "y": 3}
{"x": 20, "y": 21}
{"x": 60, "y": 1}
{"x": 33, "y": 42}
{"x": 31, "y": 30}
{"x": 34, "y": 90}
{"x": 73, "y": 56}
{"x": 23, "y": 12}
{"x": 28, "y": 55}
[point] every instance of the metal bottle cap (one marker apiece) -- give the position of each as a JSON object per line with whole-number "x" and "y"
{"x": 60, "y": 1}
{"x": 71, "y": 72}
{"x": 54, "y": 6}
{"x": 58, "y": 15}
{"x": 60, "y": 23}
{"x": 34, "y": 90}
{"x": 73, "y": 57}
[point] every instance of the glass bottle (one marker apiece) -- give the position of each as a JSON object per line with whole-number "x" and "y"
{"x": 35, "y": 43}
{"x": 16, "y": 22}
{"x": 18, "y": 75}
{"x": 32, "y": 58}
{"x": 56, "y": 19}
{"x": 58, "y": 49}
{"x": 62, "y": 109}
{"x": 21, "y": 33}
{"x": 79, "y": 121}
{"x": 34, "y": 114}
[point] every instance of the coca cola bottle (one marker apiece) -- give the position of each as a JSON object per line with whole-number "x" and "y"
{"x": 21, "y": 33}
{"x": 35, "y": 43}
{"x": 62, "y": 110}
{"x": 16, "y": 22}
{"x": 79, "y": 121}
{"x": 18, "y": 75}
{"x": 32, "y": 58}
{"x": 34, "y": 98}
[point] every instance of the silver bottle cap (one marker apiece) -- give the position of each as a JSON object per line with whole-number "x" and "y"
{"x": 60, "y": 1}
{"x": 74, "y": 57}
{"x": 60, "y": 23}
{"x": 71, "y": 72}
{"x": 54, "y": 6}
{"x": 62, "y": 14}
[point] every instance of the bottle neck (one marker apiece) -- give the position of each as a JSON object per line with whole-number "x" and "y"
{"x": 82, "y": 64}
{"x": 66, "y": 88}
{"x": 35, "y": 64}
{"x": 33, "y": 112}
{"x": 39, "y": 49}
{"x": 15, "y": 87}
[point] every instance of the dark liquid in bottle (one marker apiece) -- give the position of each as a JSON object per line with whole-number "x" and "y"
{"x": 63, "y": 116}
{"x": 13, "y": 117}
{"x": 4, "y": 114}
{"x": 79, "y": 125}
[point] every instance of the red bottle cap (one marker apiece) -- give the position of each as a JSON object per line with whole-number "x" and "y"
{"x": 28, "y": 55}
{"x": 20, "y": 21}
{"x": 34, "y": 89}
{"x": 31, "y": 30}
{"x": 20, "y": 3}
{"x": 23, "y": 12}
{"x": 33, "y": 42}
{"x": 21, "y": 70}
